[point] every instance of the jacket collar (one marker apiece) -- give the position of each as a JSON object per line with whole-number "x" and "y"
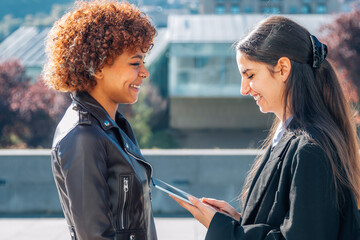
{"x": 89, "y": 104}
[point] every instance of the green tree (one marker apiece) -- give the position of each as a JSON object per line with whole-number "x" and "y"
{"x": 148, "y": 117}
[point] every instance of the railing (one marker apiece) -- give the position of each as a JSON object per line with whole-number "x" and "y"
{"x": 27, "y": 185}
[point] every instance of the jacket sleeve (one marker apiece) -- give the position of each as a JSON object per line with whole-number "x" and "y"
{"x": 313, "y": 212}
{"x": 82, "y": 159}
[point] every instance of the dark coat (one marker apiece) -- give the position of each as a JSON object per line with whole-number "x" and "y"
{"x": 292, "y": 197}
{"x": 102, "y": 179}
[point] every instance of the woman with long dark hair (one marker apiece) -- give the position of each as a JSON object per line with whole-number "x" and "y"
{"x": 307, "y": 183}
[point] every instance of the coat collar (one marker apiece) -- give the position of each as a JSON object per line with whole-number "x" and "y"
{"x": 89, "y": 104}
{"x": 269, "y": 165}
{"x": 124, "y": 130}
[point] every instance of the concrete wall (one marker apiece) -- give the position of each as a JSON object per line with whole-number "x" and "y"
{"x": 217, "y": 113}
{"x": 27, "y": 185}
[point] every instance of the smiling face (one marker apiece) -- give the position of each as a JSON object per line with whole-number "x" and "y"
{"x": 265, "y": 87}
{"x": 120, "y": 82}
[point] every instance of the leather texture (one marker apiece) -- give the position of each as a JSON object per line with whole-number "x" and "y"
{"x": 102, "y": 178}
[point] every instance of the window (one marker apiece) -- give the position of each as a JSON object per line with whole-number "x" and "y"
{"x": 206, "y": 69}
{"x": 248, "y": 9}
{"x": 305, "y": 9}
{"x": 293, "y": 10}
{"x": 321, "y": 8}
{"x": 220, "y": 9}
{"x": 266, "y": 10}
{"x": 235, "y": 9}
{"x": 275, "y": 10}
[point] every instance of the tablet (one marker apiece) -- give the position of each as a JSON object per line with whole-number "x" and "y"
{"x": 163, "y": 186}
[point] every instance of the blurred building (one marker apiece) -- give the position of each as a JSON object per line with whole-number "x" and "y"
{"x": 193, "y": 65}
{"x": 159, "y": 10}
{"x": 27, "y": 45}
{"x": 269, "y": 6}
{"x": 348, "y": 5}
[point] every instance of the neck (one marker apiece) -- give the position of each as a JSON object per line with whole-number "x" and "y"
{"x": 280, "y": 115}
{"x": 109, "y": 106}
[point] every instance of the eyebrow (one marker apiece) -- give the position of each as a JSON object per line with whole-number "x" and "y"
{"x": 137, "y": 56}
{"x": 244, "y": 71}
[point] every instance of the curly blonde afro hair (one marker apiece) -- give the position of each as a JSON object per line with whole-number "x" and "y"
{"x": 91, "y": 36}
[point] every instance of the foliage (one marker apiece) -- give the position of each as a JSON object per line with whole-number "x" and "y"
{"x": 28, "y": 111}
{"x": 343, "y": 39}
{"x": 148, "y": 117}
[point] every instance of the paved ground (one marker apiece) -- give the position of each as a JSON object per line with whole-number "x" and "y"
{"x": 56, "y": 229}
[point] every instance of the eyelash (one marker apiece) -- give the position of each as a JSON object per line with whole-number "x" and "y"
{"x": 251, "y": 76}
{"x": 136, "y": 64}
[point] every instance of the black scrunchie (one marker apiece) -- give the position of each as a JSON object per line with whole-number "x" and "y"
{"x": 320, "y": 51}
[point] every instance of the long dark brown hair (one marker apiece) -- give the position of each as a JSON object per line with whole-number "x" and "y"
{"x": 314, "y": 97}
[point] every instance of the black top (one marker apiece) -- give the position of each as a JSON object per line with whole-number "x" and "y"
{"x": 292, "y": 197}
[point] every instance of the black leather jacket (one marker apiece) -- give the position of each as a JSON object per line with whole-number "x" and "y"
{"x": 102, "y": 178}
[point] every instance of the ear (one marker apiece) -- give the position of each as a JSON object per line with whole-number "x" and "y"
{"x": 284, "y": 66}
{"x": 98, "y": 75}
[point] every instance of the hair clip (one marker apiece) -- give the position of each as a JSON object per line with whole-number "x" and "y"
{"x": 320, "y": 51}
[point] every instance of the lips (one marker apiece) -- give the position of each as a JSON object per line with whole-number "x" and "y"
{"x": 135, "y": 86}
{"x": 257, "y": 97}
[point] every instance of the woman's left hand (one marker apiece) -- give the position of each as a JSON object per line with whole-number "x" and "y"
{"x": 204, "y": 213}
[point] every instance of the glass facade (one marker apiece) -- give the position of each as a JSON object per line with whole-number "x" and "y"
{"x": 321, "y": 8}
{"x": 220, "y": 9}
{"x": 293, "y": 9}
{"x": 274, "y": 10}
{"x": 248, "y": 9}
{"x": 206, "y": 69}
{"x": 235, "y": 9}
{"x": 305, "y": 9}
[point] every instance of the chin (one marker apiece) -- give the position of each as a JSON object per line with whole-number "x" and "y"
{"x": 133, "y": 101}
{"x": 128, "y": 101}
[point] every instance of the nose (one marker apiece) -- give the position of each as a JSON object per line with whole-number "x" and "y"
{"x": 144, "y": 73}
{"x": 245, "y": 87}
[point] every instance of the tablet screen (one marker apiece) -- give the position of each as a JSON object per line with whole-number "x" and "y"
{"x": 171, "y": 190}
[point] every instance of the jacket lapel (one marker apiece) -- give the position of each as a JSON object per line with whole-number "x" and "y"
{"x": 264, "y": 176}
{"x": 264, "y": 160}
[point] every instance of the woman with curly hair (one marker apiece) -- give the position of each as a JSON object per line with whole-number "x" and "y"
{"x": 96, "y": 52}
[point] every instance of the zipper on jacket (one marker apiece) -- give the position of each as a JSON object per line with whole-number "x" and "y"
{"x": 125, "y": 192}
{"x": 137, "y": 158}
{"x": 123, "y": 202}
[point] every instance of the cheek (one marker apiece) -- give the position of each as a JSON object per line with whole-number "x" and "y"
{"x": 254, "y": 85}
{"x": 251, "y": 84}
